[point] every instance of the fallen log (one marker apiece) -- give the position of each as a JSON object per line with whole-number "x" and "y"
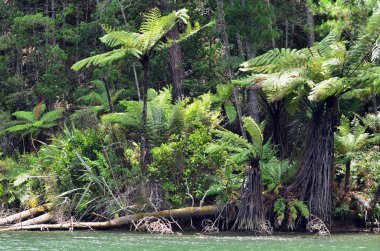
{"x": 175, "y": 213}
{"x": 362, "y": 202}
{"x": 48, "y": 217}
{"x": 25, "y": 214}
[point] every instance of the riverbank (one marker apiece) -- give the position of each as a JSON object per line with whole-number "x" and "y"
{"x": 120, "y": 240}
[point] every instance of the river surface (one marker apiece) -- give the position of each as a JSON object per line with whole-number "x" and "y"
{"x": 114, "y": 240}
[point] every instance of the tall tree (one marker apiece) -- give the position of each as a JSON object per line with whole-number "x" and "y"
{"x": 321, "y": 73}
{"x": 251, "y": 209}
{"x": 152, "y": 37}
{"x": 226, "y": 48}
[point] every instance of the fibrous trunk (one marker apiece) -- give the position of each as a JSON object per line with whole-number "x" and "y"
{"x": 309, "y": 26}
{"x": 251, "y": 210}
{"x": 175, "y": 54}
{"x": 313, "y": 181}
{"x": 144, "y": 133}
{"x": 347, "y": 178}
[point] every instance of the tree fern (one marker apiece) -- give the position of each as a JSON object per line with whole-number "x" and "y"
{"x": 30, "y": 124}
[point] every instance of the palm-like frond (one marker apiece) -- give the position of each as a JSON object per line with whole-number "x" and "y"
{"x": 24, "y": 115}
{"x": 230, "y": 139}
{"x": 320, "y": 49}
{"x": 254, "y": 131}
{"x": 327, "y": 88}
{"x": 19, "y": 128}
{"x": 279, "y": 85}
{"x": 366, "y": 41}
{"x": 51, "y": 117}
{"x": 30, "y": 124}
{"x": 125, "y": 39}
{"x": 274, "y": 60}
{"x": 102, "y": 59}
{"x": 230, "y": 112}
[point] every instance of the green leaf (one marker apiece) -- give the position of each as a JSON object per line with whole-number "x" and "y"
{"x": 230, "y": 112}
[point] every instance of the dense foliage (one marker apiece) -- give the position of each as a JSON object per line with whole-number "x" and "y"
{"x": 269, "y": 107}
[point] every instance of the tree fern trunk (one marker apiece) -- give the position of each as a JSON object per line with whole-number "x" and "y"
{"x": 144, "y": 133}
{"x": 347, "y": 178}
{"x": 313, "y": 181}
{"x": 176, "y": 61}
{"x": 235, "y": 94}
{"x": 108, "y": 95}
{"x": 309, "y": 26}
{"x": 251, "y": 210}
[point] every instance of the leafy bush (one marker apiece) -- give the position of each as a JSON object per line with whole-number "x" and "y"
{"x": 182, "y": 164}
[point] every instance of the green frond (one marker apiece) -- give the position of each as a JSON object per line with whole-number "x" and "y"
{"x": 241, "y": 157}
{"x": 51, "y": 117}
{"x": 375, "y": 139}
{"x": 102, "y": 59}
{"x": 125, "y": 39}
{"x": 93, "y": 98}
{"x": 150, "y": 18}
{"x": 273, "y": 60}
{"x": 224, "y": 91}
{"x": 344, "y": 127}
{"x": 231, "y": 139}
{"x": 301, "y": 207}
{"x": 230, "y": 112}
{"x": 320, "y": 49}
{"x": 366, "y": 42}
{"x": 24, "y": 115}
{"x": 327, "y": 88}
{"x": 254, "y": 131}
{"x": 19, "y": 128}
{"x": 245, "y": 81}
{"x": 372, "y": 121}
{"x": 122, "y": 119}
{"x": 279, "y": 208}
{"x": 279, "y": 85}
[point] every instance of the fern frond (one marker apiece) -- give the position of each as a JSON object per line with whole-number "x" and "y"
{"x": 125, "y": 39}
{"x": 245, "y": 81}
{"x": 301, "y": 207}
{"x": 366, "y": 42}
{"x": 320, "y": 49}
{"x": 19, "y": 128}
{"x": 101, "y": 59}
{"x": 279, "y": 85}
{"x": 327, "y": 88}
{"x": 274, "y": 59}
{"x": 231, "y": 139}
{"x": 51, "y": 117}
{"x": 24, "y": 115}
{"x": 149, "y": 19}
{"x": 230, "y": 112}
{"x": 254, "y": 131}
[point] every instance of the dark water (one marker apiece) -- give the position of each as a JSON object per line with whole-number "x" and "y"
{"x": 109, "y": 240}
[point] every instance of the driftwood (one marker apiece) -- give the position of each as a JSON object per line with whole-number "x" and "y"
{"x": 25, "y": 214}
{"x": 362, "y": 202}
{"x": 118, "y": 222}
{"x": 48, "y": 217}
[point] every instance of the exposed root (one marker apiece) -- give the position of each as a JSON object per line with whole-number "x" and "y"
{"x": 208, "y": 227}
{"x": 155, "y": 225}
{"x": 316, "y": 224}
{"x": 265, "y": 229}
